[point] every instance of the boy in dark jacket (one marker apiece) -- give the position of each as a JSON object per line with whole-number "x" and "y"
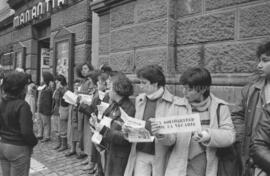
{"x": 251, "y": 109}
{"x": 45, "y": 107}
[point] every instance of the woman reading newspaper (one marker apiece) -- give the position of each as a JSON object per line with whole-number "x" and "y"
{"x": 117, "y": 148}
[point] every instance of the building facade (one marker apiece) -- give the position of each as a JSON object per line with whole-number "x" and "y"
{"x": 221, "y": 35}
{"x": 46, "y": 35}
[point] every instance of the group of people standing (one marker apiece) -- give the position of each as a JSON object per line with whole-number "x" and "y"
{"x": 233, "y": 142}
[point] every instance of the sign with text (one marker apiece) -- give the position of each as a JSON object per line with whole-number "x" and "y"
{"x": 179, "y": 124}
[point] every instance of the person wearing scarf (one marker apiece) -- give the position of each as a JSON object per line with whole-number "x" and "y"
{"x": 199, "y": 147}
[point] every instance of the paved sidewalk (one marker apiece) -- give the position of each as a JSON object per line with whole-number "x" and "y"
{"x": 48, "y": 162}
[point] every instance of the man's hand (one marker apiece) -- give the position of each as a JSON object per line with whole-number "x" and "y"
{"x": 155, "y": 127}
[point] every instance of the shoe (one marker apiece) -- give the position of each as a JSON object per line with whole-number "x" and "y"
{"x": 45, "y": 140}
{"x": 84, "y": 162}
{"x": 86, "y": 168}
{"x": 93, "y": 170}
{"x": 81, "y": 156}
{"x": 59, "y": 143}
{"x": 64, "y": 145}
{"x": 39, "y": 137}
{"x": 70, "y": 154}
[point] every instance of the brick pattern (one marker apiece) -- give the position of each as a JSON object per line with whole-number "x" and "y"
{"x": 177, "y": 34}
{"x": 216, "y": 27}
{"x": 147, "y": 10}
{"x": 70, "y": 15}
{"x": 215, "y": 4}
{"x": 122, "y": 15}
{"x": 255, "y": 21}
{"x": 188, "y": 7}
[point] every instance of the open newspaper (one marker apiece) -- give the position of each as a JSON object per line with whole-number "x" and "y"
{"x": 72, "y": 98}
{"x": 136, "y": 129}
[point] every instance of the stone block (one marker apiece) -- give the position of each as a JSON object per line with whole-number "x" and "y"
{"x": 104, "y": 23}
{"x": 255, "y": 21}
{"x": 152, "y": 33}
{"x": 81, "y": 53}
{"x": 82, "y": 31}
{"x": 230, "y": 94}
{"x": 215, "y": 4}
{"x": 232, "y": 57}
{"x": 188, "y": 57}
{"x": 150, "y": 9}
{"x": 104, "y": 44}
{"x": 6, "y": 39}
{"x": 123, "y": 61}
{"x": 188, "y": 7}
{"x": 122, "y": 15}
{"x": 157, "y": 56}
{"x": 122, "y": 39}
{"x": 104, "y": 59}
{"x": 214, "y": 27}
{"x": 26, "y": 31}
{"x": 78, "y": 12}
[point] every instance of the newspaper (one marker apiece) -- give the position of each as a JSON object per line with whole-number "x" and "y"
{"x": 139, "y": 135}
{"x": 101, "y": 108}
{"x": 70, "y": 97}
{"x": 101, "y": 95}
{"x": 136, "y": 129}
{"x": 86, "y": 99}
{"x": 179, "y": 124}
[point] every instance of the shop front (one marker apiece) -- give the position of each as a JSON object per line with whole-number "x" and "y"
{"x": 49, "y": 35}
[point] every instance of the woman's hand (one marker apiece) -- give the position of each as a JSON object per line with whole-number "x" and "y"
{"x": 201, "y": 136}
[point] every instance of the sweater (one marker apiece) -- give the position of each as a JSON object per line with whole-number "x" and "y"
{"x": 16, "y": 125}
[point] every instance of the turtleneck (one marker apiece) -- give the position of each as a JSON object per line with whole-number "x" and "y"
{"x": 202, "y": 106}
{"x": 156, "y": 95}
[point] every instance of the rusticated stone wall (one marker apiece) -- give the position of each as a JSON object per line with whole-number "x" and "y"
{"x": 221, "y": 35}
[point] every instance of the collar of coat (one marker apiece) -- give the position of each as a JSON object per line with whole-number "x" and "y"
{"x": 260, "y": 84}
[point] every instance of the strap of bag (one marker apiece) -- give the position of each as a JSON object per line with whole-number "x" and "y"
{"x": 218, "y": 114}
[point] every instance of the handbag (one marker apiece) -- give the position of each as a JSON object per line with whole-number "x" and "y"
{"x": 229, "y": 161}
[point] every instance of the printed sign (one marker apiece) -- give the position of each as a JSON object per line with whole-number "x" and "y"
{"x": 179, "y": 124}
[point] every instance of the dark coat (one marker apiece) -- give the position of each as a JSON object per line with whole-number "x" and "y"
{"x": 45, "y": 101}
{"x": 260, "y": 150}
{"x": 246, "y": 116}
{"x": 118, "y": 148}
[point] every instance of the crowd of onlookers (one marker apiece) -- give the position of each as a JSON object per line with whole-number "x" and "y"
{"x": 233, "y": 141}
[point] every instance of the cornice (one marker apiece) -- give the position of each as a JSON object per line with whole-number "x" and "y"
{"x": 103, "y": 6}
{"x": 15, "y": 4}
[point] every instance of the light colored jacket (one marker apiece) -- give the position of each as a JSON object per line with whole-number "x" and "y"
{"x": 167, "y": 105}
{"x": 220, "y": 137}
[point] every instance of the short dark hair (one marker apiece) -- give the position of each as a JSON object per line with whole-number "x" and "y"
{"x": 47, "y": 77}
{"x": 106, "y": 69}
{"x": 263, "y": 49}
{"x": 152, "y": 73}
{"x": 14, "y": 83}
{"x": 61, "y": 79}
{"x": 79, "y": 69}
{"x": 29, "y": 78}
{"x": 122, "y": 85}
{"x": 198, "y": 78}
{"x": 93, "y": 75}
